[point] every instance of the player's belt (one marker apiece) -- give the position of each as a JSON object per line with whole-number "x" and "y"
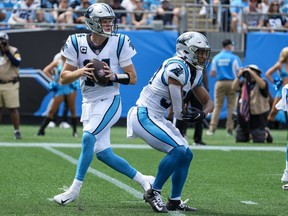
{"x": 14, "y": 80}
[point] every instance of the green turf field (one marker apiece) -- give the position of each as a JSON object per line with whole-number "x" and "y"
{"x": 225, "y": 178}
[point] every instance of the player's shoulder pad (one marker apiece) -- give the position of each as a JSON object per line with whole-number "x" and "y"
{"x": 177, "y": 69}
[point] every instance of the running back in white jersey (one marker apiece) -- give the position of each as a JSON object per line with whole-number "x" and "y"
{"x": 155, "y": 95}
{"x": 79, "y": 50}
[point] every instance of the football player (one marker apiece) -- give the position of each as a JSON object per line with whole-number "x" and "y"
{"x": 101, "y": 105}
{"x": 147, "y": 120}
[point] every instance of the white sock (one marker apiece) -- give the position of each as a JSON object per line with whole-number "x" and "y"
{"x": 175, "y": 198}
{"x": 286, "y": 166}
{"x": 76, "y": 185}
{"x": 140, "y": 178}
{"x": 144, "y": 181}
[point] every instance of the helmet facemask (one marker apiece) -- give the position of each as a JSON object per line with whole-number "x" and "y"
{"x": 201, "y": 57}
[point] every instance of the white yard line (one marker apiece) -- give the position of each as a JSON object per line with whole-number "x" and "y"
{"x": 139, "y": 195}
{"x": 114, "y": 181}
{"x": 128, "y": 189}
{"x": 144, "y": 146}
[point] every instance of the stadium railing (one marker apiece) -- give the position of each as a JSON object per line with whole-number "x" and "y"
{"x": 151, "y": 24}
{"x": 190, "y": 19}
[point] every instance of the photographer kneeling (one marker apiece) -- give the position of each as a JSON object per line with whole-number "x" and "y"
{"x": 252, "y": 106}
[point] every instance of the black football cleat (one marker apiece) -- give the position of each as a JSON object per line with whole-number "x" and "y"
{"x": 41, "y": 133}
{"x": 154, "y": 198}
{"x": 178, "y": 205}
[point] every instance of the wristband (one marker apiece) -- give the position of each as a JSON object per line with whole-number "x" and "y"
{"x": 122, "y": 78}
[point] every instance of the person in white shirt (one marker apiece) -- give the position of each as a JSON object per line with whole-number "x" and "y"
{"x": 24, "y": 12}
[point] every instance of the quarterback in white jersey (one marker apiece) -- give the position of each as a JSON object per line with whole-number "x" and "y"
{"x": 79, "y": 50}
{"x": 101, "y": 105}
{"x": 146, "y": 120}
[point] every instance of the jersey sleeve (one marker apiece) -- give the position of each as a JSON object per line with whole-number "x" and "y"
{"x": 69, "y": 50}
{"x": 178, "y": 71}
{"x": 125, "y": 50}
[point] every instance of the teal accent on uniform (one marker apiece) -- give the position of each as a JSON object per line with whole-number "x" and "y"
{"x": 120, "y": 44}
{"x": 200, "y": 81}
{"x": 117, "y": 163}
{"x": 167, "y": 166}
{"x": 152, "y": 128}
{"x": 75, "y": 44}
{"x": 86, "y": 156}
{"x": 109, "y": 114}
{"x": 180, "y": 174}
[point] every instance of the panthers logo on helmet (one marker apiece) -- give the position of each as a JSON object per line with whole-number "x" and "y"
{"x": 185, "y": 38}
{"x": 89, "y": 10}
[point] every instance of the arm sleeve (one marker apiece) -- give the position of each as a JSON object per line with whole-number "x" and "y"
{"x": 176, "y": 98}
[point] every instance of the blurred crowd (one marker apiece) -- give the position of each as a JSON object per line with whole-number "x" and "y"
{"x": 251, "y": 15}
{"x": 70, "y": 13}
{"x": 229, "y": 15}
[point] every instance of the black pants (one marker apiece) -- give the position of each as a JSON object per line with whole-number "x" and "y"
{"x": 182, "y": 125}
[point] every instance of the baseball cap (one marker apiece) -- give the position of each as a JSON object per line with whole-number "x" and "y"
{"x": 227, "y": 42}
{"x": 164, "y": 1}
{"x": 255, "y": 68}
{"x": 4, "y": 36}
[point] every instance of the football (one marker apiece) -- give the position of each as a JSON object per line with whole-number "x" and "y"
{"x": 99, "y": 72}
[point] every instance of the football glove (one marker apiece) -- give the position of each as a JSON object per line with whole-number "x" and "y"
{"x": 194, "y": 115}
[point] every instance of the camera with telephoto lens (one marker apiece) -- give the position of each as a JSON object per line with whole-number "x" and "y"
{"x": 4, "y": 43}
{"x": 246, "y": 74}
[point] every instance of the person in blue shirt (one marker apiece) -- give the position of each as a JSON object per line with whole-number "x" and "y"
{"x": 236, "y": 7}
{"x": 225, "y": 66}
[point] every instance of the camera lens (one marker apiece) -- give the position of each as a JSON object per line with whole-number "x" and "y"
{"x": 246, "y": 74}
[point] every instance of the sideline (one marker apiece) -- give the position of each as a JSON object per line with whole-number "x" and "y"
{"x": 144, "y": 146}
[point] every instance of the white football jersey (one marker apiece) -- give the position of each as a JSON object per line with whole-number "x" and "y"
{"x": 79, "y": 50}
{"x": 155, "y": 95}
{"x": 21, "y": 10}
